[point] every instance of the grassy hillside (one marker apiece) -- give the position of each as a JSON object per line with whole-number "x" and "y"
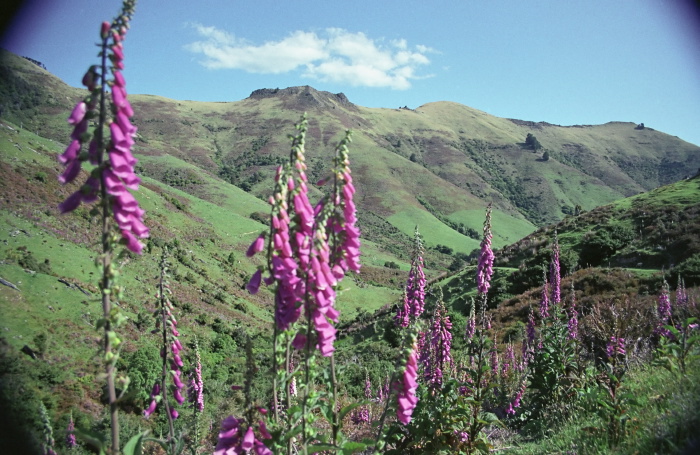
{"x": 449, "y": 156}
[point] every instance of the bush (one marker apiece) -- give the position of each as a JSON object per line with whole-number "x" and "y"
{"x": 532, "y": 142}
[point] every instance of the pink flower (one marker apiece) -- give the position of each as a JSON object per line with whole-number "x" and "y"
{"x": 248, "y": 439}
{"x": 257, "y": 246}
{"x": 407, "y": 399}
{"x": 254, "y": 283}
{"x": 484, "y": 268}
{"x": 554, "y": 272}
{"x": 78, "y": 113}
{"x": 151, "y": 408}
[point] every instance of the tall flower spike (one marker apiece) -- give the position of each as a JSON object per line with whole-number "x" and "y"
{"x": 414, "y": 296}
{"x": 170, "y": 350}
{"x": 663, "y": 311}
{"x": 70, "y": 434}
{"x": 115, "y": 172}
{"x": 309, "y": 249}
{"x": 573, "y": 314}
{"x": 555, "y": 272}
{"x": 471, "y": 322}
{"x": 544, "y": 301}
{"x": 197, "y": 383}
{"x": 440, "y": 360}
{"x": 407, "y": 385}
{"x": 484, "y": 269}
{"x": 233, "y": 439}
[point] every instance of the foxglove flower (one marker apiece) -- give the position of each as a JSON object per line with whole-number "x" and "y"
{"x": 414, "y": 296}
{"x": 116, "y": 172}
{"x": 517, "y": 400}
{"x": 234, "y": 440}
{"x": 70, "y": 436}
{"x": 440, "y": 358}
{"x": 170, "y": 351}
{"x": 573, "y": 320}
{"x": 544, "y": 301}
{"x": 615, "y": 347}
{"x": 663, "y": 311}
{"x": 555, "y": 273}
{"x": 362, "y": 415}
{"x": 309, "y": 249}
{"x": 531, "y": 334}
{"x": 484, "y": 269}
{"x": 197, "y": 383}
{"x": 407, "y": 399}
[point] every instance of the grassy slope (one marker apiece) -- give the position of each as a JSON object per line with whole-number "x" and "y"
{"x": 590, "y": 165}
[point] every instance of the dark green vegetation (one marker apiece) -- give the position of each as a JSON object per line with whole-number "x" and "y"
{"x": 207, "y": 169}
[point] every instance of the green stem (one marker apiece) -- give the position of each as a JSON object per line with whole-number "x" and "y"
{"x": 107, "y": 253}
{"x": 164, "y": 374}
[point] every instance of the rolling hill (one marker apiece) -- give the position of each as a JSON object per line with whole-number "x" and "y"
{"x": 436, "y": 166}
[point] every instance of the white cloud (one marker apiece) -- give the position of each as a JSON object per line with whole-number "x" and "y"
{"x": 337, "y": 56}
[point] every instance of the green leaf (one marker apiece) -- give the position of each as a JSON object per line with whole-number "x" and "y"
{"x": 92, "y": 438}
{"x": 135, "y": 444}
{"x": 353, "y": 447}
{"x": 321, "y": 447}
{"x": 291, "y": 433}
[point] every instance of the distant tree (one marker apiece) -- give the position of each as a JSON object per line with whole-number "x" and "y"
{"x": 532, "y": 142}
{"x": 443, "y": 249}
{"x": 413, "y": 158}
{"x": 639, "y": 127}
{"x": 545, "y": 155}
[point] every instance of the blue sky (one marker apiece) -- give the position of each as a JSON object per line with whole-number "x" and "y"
{"x": 563, "y": 62}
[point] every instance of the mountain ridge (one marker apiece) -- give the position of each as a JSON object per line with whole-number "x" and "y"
{"x": 436, "y": 165}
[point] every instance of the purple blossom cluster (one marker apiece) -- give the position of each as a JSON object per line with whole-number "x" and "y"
{"x": 470, "y": 329}
{"x": 484, "y": 269}
{"x": 615, "y": 347}
{"x": 196, "y": 388}
{"x": 234, "y": 439}
{"x": 406, "y": 387}
{"x": 310, "y": 249}
{"x": 70, "y": 434}
{"x": 528, "y": 349}
{"x": 116, "y": 174}
{"x": 663, "y": 311}
{"x": 508, "y": 362}
{"x": 555, "y": 273}
{"x": 544, "y": 301}
{"x": 414, "y": 295}
{"x": 573, "y": 315}
{"x": 681, "y": 294}
{"x": 494, "y": 360}
{"x": 515, "y": 404}
{"x": 293, "y": 381}
{"x": 172, "y": 344}
{"x": 362, "y": 415}
{"x": 439, "y": 360}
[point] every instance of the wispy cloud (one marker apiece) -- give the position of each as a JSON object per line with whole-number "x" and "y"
{"x": 335, "y": 55}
